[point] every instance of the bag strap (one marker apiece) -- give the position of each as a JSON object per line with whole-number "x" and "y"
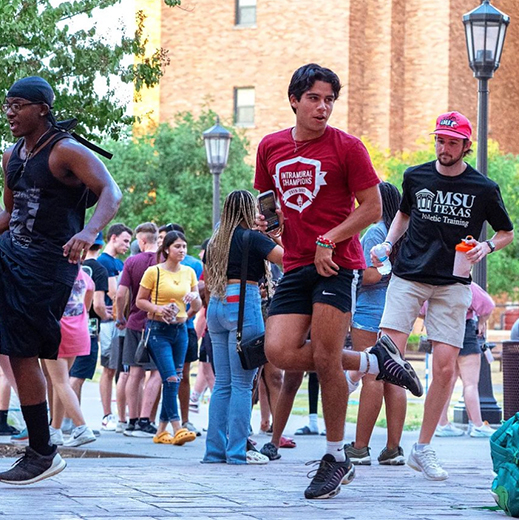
{"x": 156, "y": 290}
{"x": 243, "y": 283}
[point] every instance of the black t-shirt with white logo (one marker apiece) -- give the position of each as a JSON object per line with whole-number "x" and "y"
{"x": 443, "y": 210}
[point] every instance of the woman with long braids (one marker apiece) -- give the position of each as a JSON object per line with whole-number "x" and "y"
{"x": 231, "y": 400}
{"x": 364, "y": 332}
{"x": 166, "y": 290}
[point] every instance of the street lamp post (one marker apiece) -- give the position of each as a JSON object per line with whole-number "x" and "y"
{"x": 217, "y": 140}
{"x": 485, "y": 31}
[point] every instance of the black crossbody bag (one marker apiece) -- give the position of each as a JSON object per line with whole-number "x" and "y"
{"x": 251, "y": 352}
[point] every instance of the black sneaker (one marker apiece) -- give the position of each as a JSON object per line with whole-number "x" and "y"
{"x": 130, "y": 428}
{"x": 394, "y": 368}
{"x": 33, "y": 467}
{"x": 7, "y": 429}
{"x": 328, "y": 478}
{"x": 144, "y": 430}
{"x": 270, "y": 451}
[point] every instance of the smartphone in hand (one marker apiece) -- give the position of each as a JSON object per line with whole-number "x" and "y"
{"x": 267, "y": 207}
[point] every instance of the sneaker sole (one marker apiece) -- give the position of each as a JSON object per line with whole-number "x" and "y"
{"x": 364, "y": 461}
{"x": 128, "y": 433}
{"x": 82, "y": 443}
{"x": 414, "y": 465}
{"x": 141, "y": 434}
{"x": 347, "y": 479}
{"x": 396, "y": 461}
{"x": 393, "y": 351}
{"x": 449, "y": 434}
{"x": 53, "y": 470}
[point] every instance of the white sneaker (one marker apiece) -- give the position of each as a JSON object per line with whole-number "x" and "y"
{"x": 425, "y": 461}
{"x": 485, "y": 430}
{"x": 121, "y": 426}
{"x": 80, "y": 435}
{"x": 449, "y": 430}
{"x": 109, "y": 423}
{"x": 56, "y": 436}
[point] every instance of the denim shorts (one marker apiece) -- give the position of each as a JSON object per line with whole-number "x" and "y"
{"x": 369, "y": 309}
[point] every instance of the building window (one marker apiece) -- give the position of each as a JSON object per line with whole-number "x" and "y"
{"x": 245, "y": 12}
{"x": 244, "y": 99}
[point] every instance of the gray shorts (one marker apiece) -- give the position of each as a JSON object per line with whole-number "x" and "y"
{"x": 447, "y": 309}
{"x": 110, "y": 344}
{"x": 131, "y": 340}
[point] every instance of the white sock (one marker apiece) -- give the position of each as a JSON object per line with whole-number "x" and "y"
{"x": 336, "y": 449}
{"x": 81, "y": 429}
{"x": 372, "y": 368}
{"x": 195, "y": 396}
{"x": 420, "y": 447}
{"x": 312, "y": 422}
{"x": 373, "y": 365}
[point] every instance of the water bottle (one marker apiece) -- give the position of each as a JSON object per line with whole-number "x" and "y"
{"x": 380, "y": 252}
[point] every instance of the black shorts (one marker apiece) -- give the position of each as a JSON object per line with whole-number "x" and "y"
{"x": 131, "y": 340}
{"x": 31, "y": 307}
{"x": 300, "y": 288}
{"x": 470, "y": 341}
{"x": 192, "y": 346}
{"x": 206, "y": 349}
{"x": 84, "y": 367}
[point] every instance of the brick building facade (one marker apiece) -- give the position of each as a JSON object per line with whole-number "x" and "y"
{"x": 401, "y": 62}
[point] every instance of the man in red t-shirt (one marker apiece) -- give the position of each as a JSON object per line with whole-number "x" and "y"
{"x": 318, "y": 172}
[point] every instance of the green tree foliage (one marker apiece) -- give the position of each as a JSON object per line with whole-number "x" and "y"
{"x": 37, "y": 38}
{"x": 503, "y": 267}
{"x": 164, "y": 175}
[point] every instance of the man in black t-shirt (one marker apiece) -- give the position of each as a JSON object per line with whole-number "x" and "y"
{"x": 443, "y": 202}
{"x": 84, "y": 366}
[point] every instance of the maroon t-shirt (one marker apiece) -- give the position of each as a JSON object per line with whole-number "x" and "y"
{"x": 133, "y": 270}
{"x": 315, "y": 182}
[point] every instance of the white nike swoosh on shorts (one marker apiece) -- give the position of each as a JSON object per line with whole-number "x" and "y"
{"x": 328, "y": 293}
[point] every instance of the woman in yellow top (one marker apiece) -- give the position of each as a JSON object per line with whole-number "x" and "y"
{"x": 166, "y": 290}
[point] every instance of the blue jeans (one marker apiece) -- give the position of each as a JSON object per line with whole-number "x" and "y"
{"x": 168, "y": 346}
{"x": 231, "y": 401}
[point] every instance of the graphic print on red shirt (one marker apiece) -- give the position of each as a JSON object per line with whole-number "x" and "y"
{"x": 315, "y": 182}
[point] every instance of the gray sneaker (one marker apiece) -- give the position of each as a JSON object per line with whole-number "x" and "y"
{"x": 80, "y": 435}
{"x": 33, "y": 467}
{"x": 359, "y": 457}
{"x": 191, "y": 428}
{"x": 392, "y": 457}
{"x": 426, "y": 462}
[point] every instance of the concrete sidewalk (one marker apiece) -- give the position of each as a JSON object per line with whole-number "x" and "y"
{"x": 171, "y": 482}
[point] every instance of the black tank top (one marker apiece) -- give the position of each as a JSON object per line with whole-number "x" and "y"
{"x": 46, "y": 214}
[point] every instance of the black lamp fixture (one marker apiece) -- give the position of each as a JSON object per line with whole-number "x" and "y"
{"x": 217, "y": 141}
{"x": 485, "y": 31}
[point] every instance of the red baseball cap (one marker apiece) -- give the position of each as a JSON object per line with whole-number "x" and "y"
{"x": 453, "y": 124}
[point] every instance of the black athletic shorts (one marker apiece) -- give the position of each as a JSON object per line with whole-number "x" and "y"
{"x": 31, "y": 307}
{"x": 300, "y": 288}
{"x": 206, "y": 349}
{"x": 84, "y": 367}
{"x": 192, "y": 346}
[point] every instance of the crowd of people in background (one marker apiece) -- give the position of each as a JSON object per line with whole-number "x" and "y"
{"x": 331, "y": 310}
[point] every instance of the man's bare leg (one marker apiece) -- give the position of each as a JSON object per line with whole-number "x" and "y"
{"x": 328, "y": 333}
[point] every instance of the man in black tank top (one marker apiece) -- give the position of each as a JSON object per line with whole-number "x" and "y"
{"x": 47, "y": 175}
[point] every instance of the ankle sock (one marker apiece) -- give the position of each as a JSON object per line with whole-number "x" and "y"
{"x": 370, "y": 367}
{"x": 336, "y": 449}
{"x": 133, "y": 421}
{"x": 143, "y": 421}
{"x": 36, "y": 418}
{"x": 420, "y": 447}
{"x": 312, "y": 422}
{"x": 195, "y": 396}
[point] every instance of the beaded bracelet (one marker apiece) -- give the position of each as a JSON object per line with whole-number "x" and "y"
{"x": 325, "y": 242}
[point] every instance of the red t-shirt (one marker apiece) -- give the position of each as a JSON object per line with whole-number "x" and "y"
{"x": 316, "y": 185}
